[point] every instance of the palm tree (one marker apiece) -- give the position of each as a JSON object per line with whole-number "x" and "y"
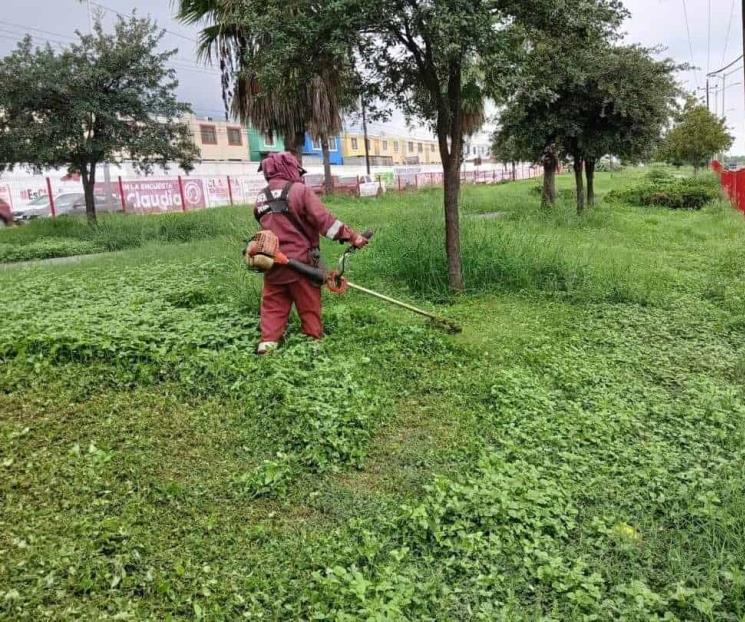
{"x": 311, "y": 99}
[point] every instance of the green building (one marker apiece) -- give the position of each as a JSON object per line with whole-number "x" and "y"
{"x": 259, "y": 145}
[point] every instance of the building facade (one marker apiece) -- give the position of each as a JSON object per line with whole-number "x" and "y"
{"x": 389, "y": 149}
{"x": 477, "y": 147}
{"x": 260, "y": 145}
{"x": 219, "y": 140}
{"x": 313, "y": 154}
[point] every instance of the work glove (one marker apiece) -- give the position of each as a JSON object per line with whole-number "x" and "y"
{"x": 358, "y": 241}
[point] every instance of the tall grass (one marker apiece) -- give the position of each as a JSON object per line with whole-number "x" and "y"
{"x": 119, "y": 232}
{"x": 498, "y": 255}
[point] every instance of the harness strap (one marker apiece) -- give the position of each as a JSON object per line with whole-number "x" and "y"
{"x": 281, "y": 205}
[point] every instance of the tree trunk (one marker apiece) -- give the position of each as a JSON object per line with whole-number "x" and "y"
{"x": 328, "y": 180}
{"x": 548, "y": 195}
{"x": 550, "y": 164}
{"x": 579, "y": 185}
{"x": 451, "y": 182}
{"x": 294, "y": 142}
{"x": 514, "y": 172}
{"x": 89, "y": 184}
{"x": 590, "y": 175}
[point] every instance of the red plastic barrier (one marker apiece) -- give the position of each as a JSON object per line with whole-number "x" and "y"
{"x": 733, "y": 183}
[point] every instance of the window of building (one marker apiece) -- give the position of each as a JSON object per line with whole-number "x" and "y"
{"x": 419, "y": 147}
{"x": 411, "y": 146}
{"x": 234, "y": 137}
{"x": 395, "y": 146}
{"x": 268, "y": 140}
{"x": 209, "y": 134}
{"x": 318, "y": 146}
{"x": 432, "y": 147}
{"x": 385, "y": 145}
{"x": 355, "y": 145}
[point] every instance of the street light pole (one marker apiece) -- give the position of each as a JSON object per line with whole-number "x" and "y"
{"x": 364, "y": 132}
{"x": 724, "y": 88}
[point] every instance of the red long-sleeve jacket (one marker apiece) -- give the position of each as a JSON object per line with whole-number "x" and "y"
{"x": 298, "y": 239}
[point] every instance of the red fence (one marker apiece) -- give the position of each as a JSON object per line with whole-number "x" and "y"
{"x": 33, "y": 196}
{"x": 733, "y": 183}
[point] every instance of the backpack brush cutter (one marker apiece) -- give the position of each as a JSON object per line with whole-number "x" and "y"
{"x": 262, "y": 253}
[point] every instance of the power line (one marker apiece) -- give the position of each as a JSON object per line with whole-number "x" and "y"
{"x": 20, "y": 35}
{"x": 738, "y": 59}
{"x": 175, "y": 34}
{"x": 690, "y": 43}
{"x": 24, "y": 27}
{"x": 729, "y": 30}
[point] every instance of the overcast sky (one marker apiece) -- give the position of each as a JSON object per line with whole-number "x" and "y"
{"x": 714, "y": 26}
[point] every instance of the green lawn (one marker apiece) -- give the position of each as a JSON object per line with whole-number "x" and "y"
{"x": 576, "y": 454}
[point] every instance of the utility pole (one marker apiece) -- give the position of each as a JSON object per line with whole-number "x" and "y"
{"x": 364, "y": 132}
{"x": 724, "y": 88}
{"x": 707, "y": 90}
{"x": 743, "y": 42}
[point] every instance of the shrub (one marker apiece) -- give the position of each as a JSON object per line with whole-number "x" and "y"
{"x": 657, "y": 175}
{"x": 46, "y": 249}
{"x": 664, "y": 190}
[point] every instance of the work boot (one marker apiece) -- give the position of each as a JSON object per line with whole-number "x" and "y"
{"x": 266, "y": 346}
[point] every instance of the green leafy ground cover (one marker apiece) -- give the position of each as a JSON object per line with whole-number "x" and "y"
{"x": 576, "y": 454}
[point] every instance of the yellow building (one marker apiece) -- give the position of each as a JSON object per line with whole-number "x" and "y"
{"x": 389, "y": 149}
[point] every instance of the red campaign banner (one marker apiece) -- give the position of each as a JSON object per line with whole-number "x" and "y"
{"x": 217, "y": 190}
{"x": 163, "y": 195}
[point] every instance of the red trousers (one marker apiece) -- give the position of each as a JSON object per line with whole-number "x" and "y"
{"x": 276, "y": 304}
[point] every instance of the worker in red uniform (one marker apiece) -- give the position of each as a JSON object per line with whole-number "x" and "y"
{"x": 293, "y": 212}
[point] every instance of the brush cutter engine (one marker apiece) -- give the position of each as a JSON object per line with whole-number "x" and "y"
{"x": 262, "y": 254}
{"x": 261, "y": 251}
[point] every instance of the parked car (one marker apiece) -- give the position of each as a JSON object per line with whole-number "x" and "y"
{"x": 370, "y": 187}
{"x": 6, "y": 217}
{"x": 65, "y": 204}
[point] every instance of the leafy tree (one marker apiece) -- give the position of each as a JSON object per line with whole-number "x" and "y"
{"x": 629, "y": 97}
{"x": 696, "y": 137}
{"x": 586, "y": 99}
{"x": 435, "y": 60}
{"x": 103, "y": 99}
{"x": 521, "y": 136}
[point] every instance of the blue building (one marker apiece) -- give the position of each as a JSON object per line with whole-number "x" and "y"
{"x": 312, "y": 153}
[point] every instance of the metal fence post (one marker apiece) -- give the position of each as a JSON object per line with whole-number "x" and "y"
{"x": 181, "y": 193}
{"x": 51, "y": 198}
{"x": 121, "y": 195}
{"x": 230, "y": 191}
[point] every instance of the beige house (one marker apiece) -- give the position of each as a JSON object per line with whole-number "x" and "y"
{"x": 219, "y": 140}
{"x": 390, "y": 148}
